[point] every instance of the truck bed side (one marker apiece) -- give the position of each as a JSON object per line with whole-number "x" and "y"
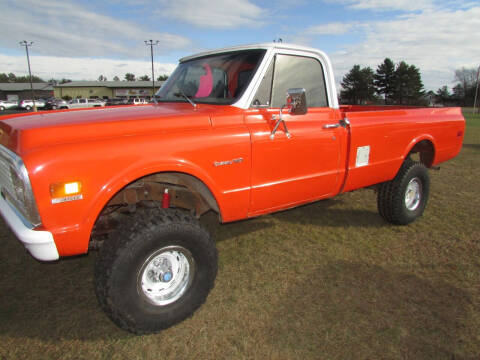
{"x": 382, "y": 137}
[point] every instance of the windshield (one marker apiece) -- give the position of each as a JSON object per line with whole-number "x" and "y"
{"x": 215, "y": 79}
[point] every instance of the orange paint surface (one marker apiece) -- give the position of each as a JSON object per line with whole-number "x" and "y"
{"x": 108, "y": 148}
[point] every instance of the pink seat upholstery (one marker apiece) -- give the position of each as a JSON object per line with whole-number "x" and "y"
{"x": 206, "y": 83}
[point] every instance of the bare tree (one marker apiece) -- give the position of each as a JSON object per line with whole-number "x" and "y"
{"x": 467, "y": 79}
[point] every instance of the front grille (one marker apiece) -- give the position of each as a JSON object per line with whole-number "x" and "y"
{"x": 18, "y": 194}
{"x": 5, "y": 178}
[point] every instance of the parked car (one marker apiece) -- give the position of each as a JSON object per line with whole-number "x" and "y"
{"x": 84, "y": 103}
{"x": 137, "y": 101}
{"x": 116, "y": 101}
{"x": 251, "y": 130}
{"x": 54, "y": 103}
{"x": 28, "y": 104}
{"x": 5, "y": 105}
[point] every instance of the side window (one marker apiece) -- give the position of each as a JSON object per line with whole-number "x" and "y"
{"x": 299, "y": 72}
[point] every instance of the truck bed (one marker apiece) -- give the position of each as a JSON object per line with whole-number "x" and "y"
{"x": 389, "y": 134}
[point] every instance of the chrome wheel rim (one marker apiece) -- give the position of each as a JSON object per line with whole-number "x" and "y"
{"x": 166, "y": 275}
{"x": 413, "y": 194}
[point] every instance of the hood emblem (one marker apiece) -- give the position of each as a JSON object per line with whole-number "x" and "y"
{"x": 228, "y": 162}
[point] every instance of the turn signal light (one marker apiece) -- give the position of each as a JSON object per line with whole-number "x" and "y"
{"x": 66, "y": 191}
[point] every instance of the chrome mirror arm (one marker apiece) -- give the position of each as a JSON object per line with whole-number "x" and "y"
{"x": 280, "y": 120}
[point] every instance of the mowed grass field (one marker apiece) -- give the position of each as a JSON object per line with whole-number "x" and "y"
{"x": 330, "y": 280}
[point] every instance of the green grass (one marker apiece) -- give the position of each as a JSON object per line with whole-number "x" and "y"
{"x": 330, "y": 280}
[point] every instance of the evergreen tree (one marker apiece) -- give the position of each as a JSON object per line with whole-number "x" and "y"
{"x": 358, "y": 85}
{"x": 443, "y": 95}
{"x": 162, "y": 78}
{"x": 383, "y": 80}
{"x": 459, "y": 94}
{"x": 144, "y": 78}
{"x": 416, "y": 91}
{"x": 408, "y": 86}
{"x": 400, "y": 83}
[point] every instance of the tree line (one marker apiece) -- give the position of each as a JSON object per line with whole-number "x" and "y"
{"x": 12, "y": 78}
{"x": 131, "y": 77}
{"x": 401, "y": 84}
{"x": 463, "y": 93}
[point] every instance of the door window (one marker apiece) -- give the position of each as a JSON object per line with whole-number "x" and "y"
{"x": 290, "y": 71}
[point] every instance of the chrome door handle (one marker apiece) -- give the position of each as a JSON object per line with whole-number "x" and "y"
{"x": 331, "y": 126}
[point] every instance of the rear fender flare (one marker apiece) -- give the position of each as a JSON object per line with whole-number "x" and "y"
{"x": 428, "y": 161}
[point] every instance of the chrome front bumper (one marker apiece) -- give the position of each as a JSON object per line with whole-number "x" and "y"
{"x": 40, "y": 244}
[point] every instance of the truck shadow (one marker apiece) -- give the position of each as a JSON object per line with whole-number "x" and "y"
{"x": 361, "y": 310}
{"x": 472, "y": 146}
{"x": 328, "y": 213}
{"x": 223, "y": 232}
{"x": 49, "y": 301}
{"x": 56, "y": 301}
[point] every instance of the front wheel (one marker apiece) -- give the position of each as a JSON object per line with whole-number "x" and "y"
{"x": 403, "y": 200}
{"x": 155, "y": 270}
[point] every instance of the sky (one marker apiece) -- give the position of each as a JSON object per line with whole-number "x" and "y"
{"x": 81, "y": 40}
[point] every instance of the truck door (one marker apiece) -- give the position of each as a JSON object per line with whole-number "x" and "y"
{"x": 287, "y": 171}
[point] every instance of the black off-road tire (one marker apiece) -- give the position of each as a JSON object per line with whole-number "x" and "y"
{"x": 122, "y": 259}
{"x": 392, "y": 196}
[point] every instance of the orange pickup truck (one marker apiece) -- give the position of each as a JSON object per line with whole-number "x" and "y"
{"x": 240, "y": 132}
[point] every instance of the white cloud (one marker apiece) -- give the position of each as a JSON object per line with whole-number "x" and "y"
{"x": 436, "y": 41}
{"x": 336, "y": 28}
{"x": 221, "y": 14}
{"x": 386, "y": 5}
{"x": 64, "y": 28}
{"x": 48, "y": 67}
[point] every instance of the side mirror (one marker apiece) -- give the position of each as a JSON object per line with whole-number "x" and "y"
{"x": 297, "y": 101}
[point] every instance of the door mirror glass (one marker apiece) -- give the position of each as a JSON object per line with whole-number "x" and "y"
{"x": 297, "y": 101}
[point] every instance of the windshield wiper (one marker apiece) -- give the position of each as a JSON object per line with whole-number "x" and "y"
{"x": 181, "y": 93}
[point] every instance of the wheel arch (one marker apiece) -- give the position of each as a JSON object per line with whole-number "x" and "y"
{"x": 425, "y": 147}
{"x": 199, "y": 191}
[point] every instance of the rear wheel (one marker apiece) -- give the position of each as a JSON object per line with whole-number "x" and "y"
{"x": 28, "y": 107}
{"x": 155, "y": 270}
{"x": 404, "y": 199}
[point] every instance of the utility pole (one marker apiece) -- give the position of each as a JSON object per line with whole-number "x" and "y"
{"x": 476, "y": 92}
{"x": 151, "y": 43}
{"x": 27, "y": 44}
